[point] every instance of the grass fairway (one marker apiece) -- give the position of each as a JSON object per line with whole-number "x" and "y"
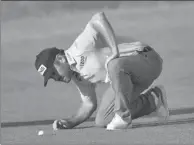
{"x": 167, "y": 28}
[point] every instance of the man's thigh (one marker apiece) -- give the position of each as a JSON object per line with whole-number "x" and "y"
{"x": 143, "y": 68}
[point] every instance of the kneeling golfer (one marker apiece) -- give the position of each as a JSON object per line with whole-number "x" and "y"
{"x": 95, "y": 57}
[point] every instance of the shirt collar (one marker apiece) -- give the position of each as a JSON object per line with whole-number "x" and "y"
{"x": 70, "y": 58}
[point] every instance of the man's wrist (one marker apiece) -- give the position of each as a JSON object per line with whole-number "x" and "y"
{"x": 73, "y": 122}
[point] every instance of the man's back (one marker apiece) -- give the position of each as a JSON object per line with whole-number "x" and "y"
{"x": 90, "y": 51}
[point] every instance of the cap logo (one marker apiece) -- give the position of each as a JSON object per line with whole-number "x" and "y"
{"x": 42, "y": 69}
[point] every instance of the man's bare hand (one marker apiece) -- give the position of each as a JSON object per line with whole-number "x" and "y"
{"x": 62, "y": 124}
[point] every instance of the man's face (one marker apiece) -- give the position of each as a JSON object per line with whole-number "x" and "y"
{"x": 63, "y": 69}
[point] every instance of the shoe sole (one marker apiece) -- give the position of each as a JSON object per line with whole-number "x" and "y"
{"x": 164, "y": 100}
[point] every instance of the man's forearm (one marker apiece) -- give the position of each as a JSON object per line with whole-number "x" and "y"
{"x": 101, "y": 25}
{"x": 84, "y": 112}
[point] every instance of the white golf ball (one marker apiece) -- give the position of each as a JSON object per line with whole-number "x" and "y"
{"x": 41, "y": 132}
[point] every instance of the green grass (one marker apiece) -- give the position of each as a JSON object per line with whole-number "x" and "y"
{"x": 181, "y": 134}
{"x": 170, "y": 30}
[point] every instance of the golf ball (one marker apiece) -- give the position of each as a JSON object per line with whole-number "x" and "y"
{"x": 41, "y": 132}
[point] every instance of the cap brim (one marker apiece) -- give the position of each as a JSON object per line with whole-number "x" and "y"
{"x": 45, "y": 81}
{"x": 47, "y": 77}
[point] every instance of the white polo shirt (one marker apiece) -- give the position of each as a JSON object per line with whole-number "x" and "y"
{"x": 87, "y": 56}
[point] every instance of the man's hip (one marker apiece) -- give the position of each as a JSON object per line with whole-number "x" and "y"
{"x": 144, "y": 66}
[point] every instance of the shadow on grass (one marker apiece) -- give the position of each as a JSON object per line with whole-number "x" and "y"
{"x": 50, "y": 121}
{"x": 171, "y": 122}
{"x": 83, "y": 127}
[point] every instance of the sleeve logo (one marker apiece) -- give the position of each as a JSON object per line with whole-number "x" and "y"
{"x": 42, "y": 69}
{"x": 70, "y": 59}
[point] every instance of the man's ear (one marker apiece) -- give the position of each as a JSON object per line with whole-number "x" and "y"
{"x": 61, "y": 58}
